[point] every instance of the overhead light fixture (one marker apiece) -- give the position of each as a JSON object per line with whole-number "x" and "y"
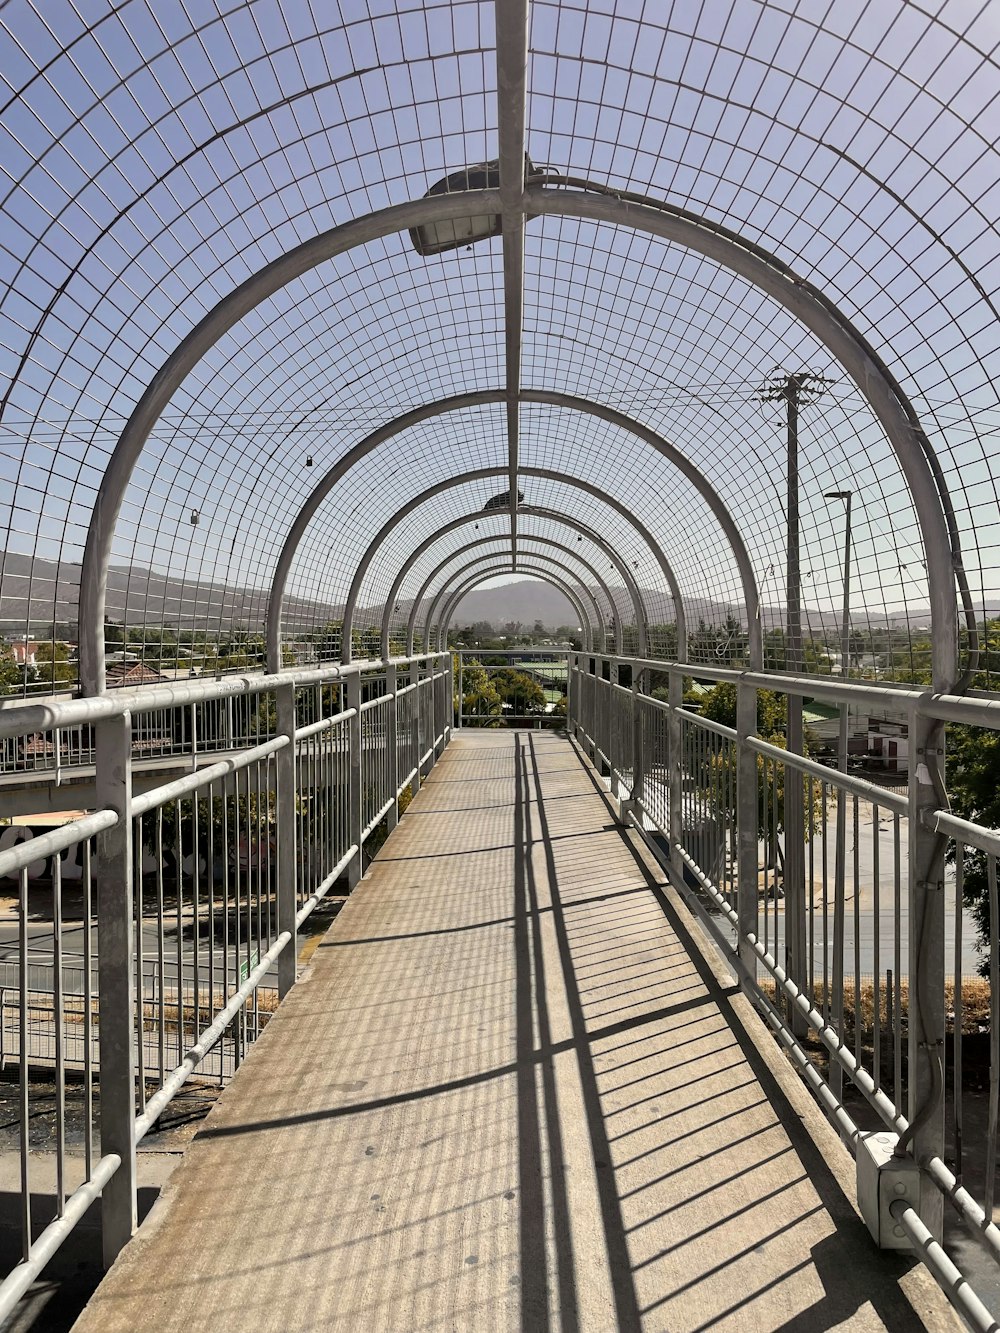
{"x": 194, "y": 518}
{"x": 502, "y": 501}
{"x": 434, "y": 238}
{"x": 309, "y": 460}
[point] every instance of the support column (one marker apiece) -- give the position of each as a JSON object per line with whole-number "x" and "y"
{"x": 354, "y": 792}
{"x": 675, "y": 776}
{"x": 113, "y": 863}
{"x": 746, "y": 823}
{"x": 287, "y": 821}
{"x": 614, "y": 778}
{"x": 926, "y": 960}
{"x": 415, "y": 724}
{"x": 392, "y": 741}
{"x": 795, "y": 863}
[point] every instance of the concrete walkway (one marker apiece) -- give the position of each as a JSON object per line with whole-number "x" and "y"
{"x": 512, "y": 1092}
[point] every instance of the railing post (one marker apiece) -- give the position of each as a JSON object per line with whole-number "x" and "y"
{"x": 614, "y": 779}
{"x": 116, "y": 980}
{"x": 675, "y": 770}
{"x": 449, "y": 686}
{"x": 285, "y": 773}
{"x": 638, "y": 741}
{"x": 433, "y": 691}
{"x": 746, "y": 823}
{"x": 926, "y": 1025}
{"x": 570, "y": 694}
{"x": 354, "y": 793}
{"x": 415, "y": 722}
{"x": 795, "y": 861}
{"x": 392, "y": 741}
{"x": 461, "y": 688}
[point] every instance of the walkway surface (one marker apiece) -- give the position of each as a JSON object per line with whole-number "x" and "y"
{"x": 513, "y": 1091}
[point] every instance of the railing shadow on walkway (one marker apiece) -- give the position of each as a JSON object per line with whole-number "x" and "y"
{"x": 664, "y": 1174}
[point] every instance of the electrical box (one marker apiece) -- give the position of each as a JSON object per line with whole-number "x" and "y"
{"x": 882, "y": 1179}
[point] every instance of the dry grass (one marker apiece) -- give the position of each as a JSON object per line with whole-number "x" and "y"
{"x": 975, "y": 1003}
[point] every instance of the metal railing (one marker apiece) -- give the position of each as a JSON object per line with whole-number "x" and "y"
{"x": 838, "y": 904}
{"x": 178, "y": 938}
{"x": 511, "y": 687}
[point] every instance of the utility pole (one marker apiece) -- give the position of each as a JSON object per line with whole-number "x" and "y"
{"x": 792, "y": 390}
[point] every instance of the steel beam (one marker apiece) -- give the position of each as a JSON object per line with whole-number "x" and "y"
{"x": 578, "y": 593}
{"x": 468, "y": 585}
{"x": 462, "y": 401}
{"x": 511, "y": 17}
{"x": 393, "y": 523}
{"x": 464, "y": 520}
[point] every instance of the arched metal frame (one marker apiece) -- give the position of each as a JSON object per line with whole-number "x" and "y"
{"x": 572, "y": 555}
{"x": 402, "y": 423}
{"x": 541, "y": 565}
{"x": 513, "y": 202}
{"x": 583, "y": 592}
{"x": 469, "y": 585}
{"x": 452, "y": 483}
{"x": 680, "y": 618}
{"x": 599, "y": 624}
{"x": 532, "y": 511}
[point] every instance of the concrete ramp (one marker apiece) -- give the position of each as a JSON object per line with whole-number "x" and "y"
{"x": 513, "y": 1092}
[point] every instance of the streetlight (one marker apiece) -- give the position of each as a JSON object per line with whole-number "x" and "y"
{"x": 433, "y": 238}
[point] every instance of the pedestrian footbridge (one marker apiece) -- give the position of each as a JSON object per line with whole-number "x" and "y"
{"x": 515, "y": 1089}
{"x": 523, "y": 472}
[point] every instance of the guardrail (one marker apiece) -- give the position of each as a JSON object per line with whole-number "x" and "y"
{"x": 185, "y": 916}
{"x": 827, "y": 894}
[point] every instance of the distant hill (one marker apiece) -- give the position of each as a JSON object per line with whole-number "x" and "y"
{"x": 40, "y": 591}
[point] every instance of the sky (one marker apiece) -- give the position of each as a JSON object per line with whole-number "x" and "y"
{"x": 155, "y": 156}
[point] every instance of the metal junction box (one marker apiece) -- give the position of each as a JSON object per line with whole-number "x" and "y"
{"x": 883, "y": 1178}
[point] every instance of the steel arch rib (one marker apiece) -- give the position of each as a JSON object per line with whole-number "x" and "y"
{"x": 451, "y": 483}
{"x": 530, "y": 565}
{"x": 468, "y": 585}
{"x": 802, "y": 299}
{"x": 597, "y": 624}
{"x": 645, "y": 534}
{"x": 543, "y": 541}
{"x": 536, "y": 511}
{"x": 462, "y": 401}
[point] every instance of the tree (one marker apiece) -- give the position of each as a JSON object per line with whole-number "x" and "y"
{"x": 719, "y": 776}
{"x": 520, "y": 693}
{"x": 973, "y": 769}
{"x": 481, "y": 702}
{"x": 11, "y": 675}
{"x": 52, "y": 665}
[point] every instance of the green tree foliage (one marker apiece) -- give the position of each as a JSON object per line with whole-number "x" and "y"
{"x": 481, "y": 702}
{"x": 11, "y": 675}
{"x": 519, "y": 693}
{"x": 719, "y": 775}
{"x": 719, "y": 705}
{"x": 52, "y": 666}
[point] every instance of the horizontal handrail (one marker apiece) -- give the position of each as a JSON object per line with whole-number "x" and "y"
{"x": 24, "y": 719}
{"x": 13, "y": 859}
{"x": 204, "y": 777}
